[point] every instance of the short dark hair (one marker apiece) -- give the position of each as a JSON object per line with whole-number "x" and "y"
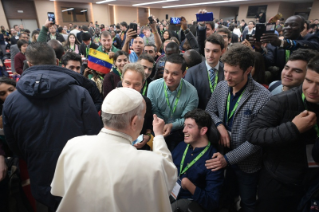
{"x": 211, "y": 23}
{"x": 60, "y": 29}
{"x": 201, "y": 117}
{"x": 174, "y": 46}
{"x": 85, "y": 28}
{"x": 123, "y": 24}
{"x": 176, "y": 59}
{"x": 216, "y": 39}
{"x": 8, "y": 81}
{"x": 105, "y": 34}
{"x": 118, "y": 53}
{"x": 239, "y": 55}
{"x": 23, "y": 33}
{"x": 152, "y": 44}
{"x": 40, "y": 54}
{"x": 75, "y": 26}
{"x": 70, "y": 56}
{"x": 57, "y": 47}
{"x": 302, "y": 54}
{"x": 252, "y": 22}
{"x": 193, "y": 58}
{"x": 314, "y": 64}
{"x": 86, "y": 36}
{"x": 21, "y": 43}
{"x": 147, "y": 57}
{"x": 226, "y": 31}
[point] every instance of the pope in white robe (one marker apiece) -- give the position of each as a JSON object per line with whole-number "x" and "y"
{"x": 106, "y": 173}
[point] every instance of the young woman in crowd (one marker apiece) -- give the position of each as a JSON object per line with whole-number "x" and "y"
{"x": 166, "y": 35}
{"x": 72, "y": 44}
{"x": 111, "y": 79}
{"x": 20, "y": 57}
{"x": 35, "y": 35}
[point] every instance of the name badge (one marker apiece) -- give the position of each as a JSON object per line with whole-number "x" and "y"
{"x": 176, "y": 189}
{"x": 311, "y": 162}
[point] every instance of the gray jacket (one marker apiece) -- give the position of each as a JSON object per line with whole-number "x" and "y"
{"x": 246, "y": 155}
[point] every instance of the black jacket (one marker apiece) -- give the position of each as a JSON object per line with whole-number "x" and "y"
{"x": 59, "y": 37}
{"x": 283, "y": 146}
{"x": 48, "y": 109}
{"x": 82, "y": 49}
{"x": 198, "y": 77}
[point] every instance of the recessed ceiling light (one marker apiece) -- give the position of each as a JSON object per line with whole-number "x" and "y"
{"x": 101, "y": 2}
{"x": 202, "y": 3}
{"x": 153, "y": 2}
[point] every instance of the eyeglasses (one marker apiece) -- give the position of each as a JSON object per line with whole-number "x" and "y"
{"x": 150, "y": 69}
{"x": 149, "y": 51}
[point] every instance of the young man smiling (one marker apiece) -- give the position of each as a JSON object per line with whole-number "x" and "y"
{"x": 172, "y": 97}
{"x": 232, "y": 106}
{"x": 198, "y": 183}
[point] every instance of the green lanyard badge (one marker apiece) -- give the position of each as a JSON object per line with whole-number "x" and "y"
{"x": 181, "y": 171}
{"x": 144, "y": 89}
{"x": 287, "y": 54}
{"x": 316, "y": 125}
{"x": 177, "y": 98}
{"x": 235, "y": 107}
{"x": 210, "y": 83}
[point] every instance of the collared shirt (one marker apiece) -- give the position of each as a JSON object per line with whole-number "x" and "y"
{"x": 133, "y": 57}
{"x": 233, "y": 100}
{"x": 216, "y": 68}
{"x": 208, "y": 184}
{"x": 188, "y": 101}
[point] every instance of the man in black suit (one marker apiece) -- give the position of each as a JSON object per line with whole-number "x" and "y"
{"x": 205, "y": 76}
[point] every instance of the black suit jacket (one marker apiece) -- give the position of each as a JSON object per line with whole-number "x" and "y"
{"x": 198, "y": 77}
{"x": 82, "y": 49}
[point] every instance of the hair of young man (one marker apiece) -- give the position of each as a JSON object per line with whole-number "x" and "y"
{"x": 21, "y": 43}
{"x": 75, "y": 26}
{"x": 134, "y": 67}
{"x": 153, "y": 45}
{"x": 216, "y": 39}
{"x": 106, "y": 34}
{"x": 22, "y": 33}
{"x": 252, "y": 22}
{"x": 118, "y": 53}
{"x": 226, "y": 31}
{"x": 86, "y": 36}
{"x": 302, "y": 54}
{"x": 40, "y": 54}
{"x": 211, "y": 23}
{"x": 124, "y": 24}
{"x": 8, "y": 81}
{"x": 173, "y": 46}
{"x": 147, "y": 57}
{"x": 122, "y": 121}
{"x": 60, "y": 29}
{"x": 57, "y": 47}
{"x": 201, "y": 118}
{"x": 239, "y": 55}
{"x": 176, "y": 59}
{"x": 85, "y": 28}
{"x": 194, "y": 58}
{"x": 175, "y": 40}
{"x": 314, "y": 64}
{"x": 70, "y": 56}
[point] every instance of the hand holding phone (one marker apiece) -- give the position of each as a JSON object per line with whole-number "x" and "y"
{"x": 133, "y": 26}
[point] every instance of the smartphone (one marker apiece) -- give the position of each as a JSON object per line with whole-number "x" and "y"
{"x": 51, "y": 17}
{"x": 134, "y": 27}
{"x": 151, "y": 19}
{"x": 260, "y": 29}
{"x": 175, "y": 20}
{"x": 270, "y": 28}
{"x": 205, "y": 17}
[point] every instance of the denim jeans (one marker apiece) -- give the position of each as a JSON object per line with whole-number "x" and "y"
{"x": 242, "y": 183}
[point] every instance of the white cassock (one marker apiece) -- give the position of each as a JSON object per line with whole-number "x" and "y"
{"x": 106, "y": 173}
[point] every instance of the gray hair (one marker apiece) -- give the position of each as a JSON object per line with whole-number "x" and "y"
{"x": 121, "y": 121}
{"x": 134, "y": 67}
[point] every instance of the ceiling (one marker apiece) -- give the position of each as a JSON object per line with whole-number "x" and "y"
{"x": 228, "y": 3}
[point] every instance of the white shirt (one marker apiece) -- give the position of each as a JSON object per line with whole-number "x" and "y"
{"x": 74, "y": 31}
{"x": 106, "y": 173}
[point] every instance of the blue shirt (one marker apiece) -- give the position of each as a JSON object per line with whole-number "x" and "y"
{"x": 188, "y": 101}
{"x": 208, "y": 184}
{"x": 233, "y": 100}
{"x": 133, "y": 57}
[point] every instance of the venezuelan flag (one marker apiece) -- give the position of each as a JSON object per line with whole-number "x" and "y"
{"x": 99, "y": 61}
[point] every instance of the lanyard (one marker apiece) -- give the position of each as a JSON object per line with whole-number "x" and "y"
{"x": 210, "y": 83}
{"x": 316, "y": 125}
{"x": 181, "y": 171}
{"x": 235, "y": 107}
{"x": 87, "y": 51}
{"x": 287, "y": 55}
{"x": 72, "y": 48}
{"x": 176, "y": 101}
{"x": 144, "y": 89}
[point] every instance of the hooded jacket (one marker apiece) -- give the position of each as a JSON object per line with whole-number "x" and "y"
{"x": 48, "y": 108}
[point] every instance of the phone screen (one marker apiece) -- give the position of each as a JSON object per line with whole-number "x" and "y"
{"x": 175, "y": 20}
{"x": 204, "y": 17}
{"x": 51, "y": 17}
{"x": 260, "y": 29}
{"x": 270, "y": 27}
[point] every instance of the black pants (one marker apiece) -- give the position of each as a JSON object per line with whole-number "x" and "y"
{"x": 275, "y": 196}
